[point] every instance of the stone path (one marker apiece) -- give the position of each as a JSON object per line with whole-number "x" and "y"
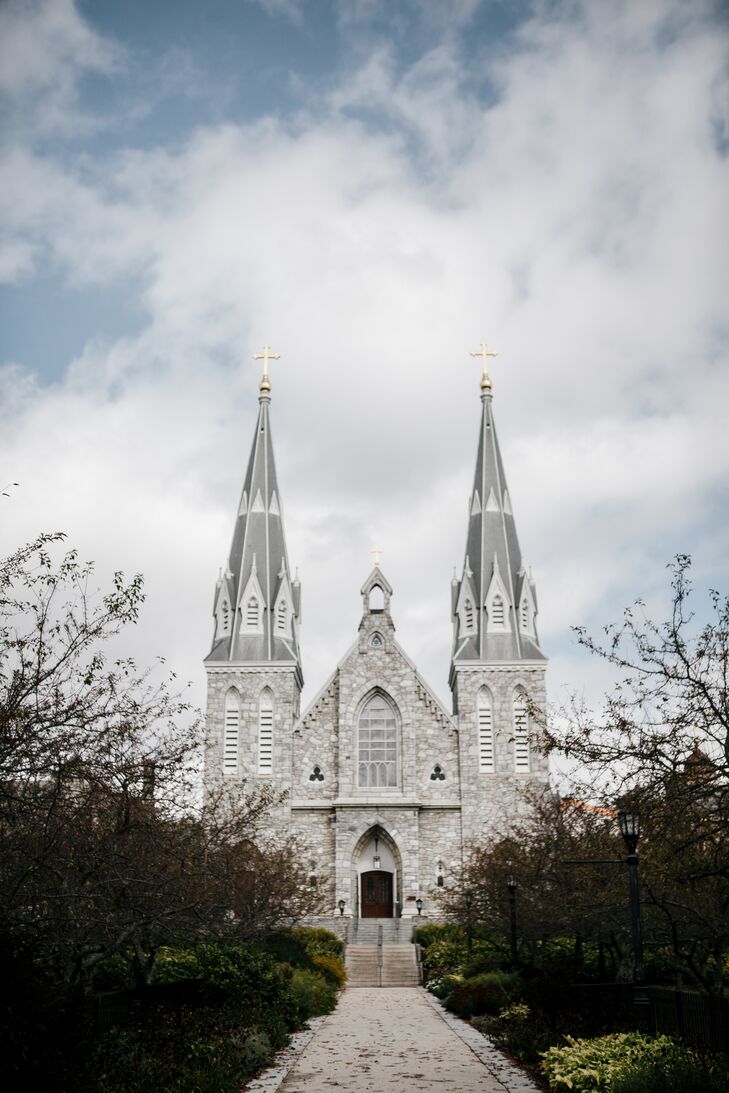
{"x": 379, "y": 1041}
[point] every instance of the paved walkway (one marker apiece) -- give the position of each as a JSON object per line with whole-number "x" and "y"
{"x": 379, "y": 1041}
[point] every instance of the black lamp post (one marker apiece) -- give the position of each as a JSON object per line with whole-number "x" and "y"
{"x": 469, "y": 926}
{"x": 341, "y": 906}
{"x": 511, "y": 885}
{"x": 629, "y": 823}
{"x": 419, "y": 904}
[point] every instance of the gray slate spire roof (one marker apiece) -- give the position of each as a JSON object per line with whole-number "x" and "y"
{"x": 257, "y": 605}
{"x": 494, "y": 603}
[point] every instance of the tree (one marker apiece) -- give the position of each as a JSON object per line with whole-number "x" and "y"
{"x": 661, "y": 742}
{"x": 104, "y": 844}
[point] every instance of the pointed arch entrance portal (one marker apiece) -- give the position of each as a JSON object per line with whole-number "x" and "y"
{"x": 378, "y": 871}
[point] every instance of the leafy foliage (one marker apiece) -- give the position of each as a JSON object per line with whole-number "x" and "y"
{"x": 630, "y": 1062}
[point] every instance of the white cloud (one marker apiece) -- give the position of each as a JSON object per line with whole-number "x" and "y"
{"x": 576, "y": 222}
{"x": 46, "y": 46}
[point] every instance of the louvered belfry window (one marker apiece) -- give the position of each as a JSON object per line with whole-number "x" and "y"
{"x": 252, "y": 614}
{"x": 485, "y": 733}
{"x": 265, "y": 734}
{"x": 525, "y": 614}
{"x": 468, "y": 612}
{"x": 521, "y": 732}
{"x": 231, "y": 733}
{"x": 377, "y": 739}
{"x": 282, "y": 615}
{"x": 497, "y": 611}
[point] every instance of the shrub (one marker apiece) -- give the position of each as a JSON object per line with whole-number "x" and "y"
{"x": 488, "y": 993}
{"x": 585, "y": 1065}
{"x": 331, "y": 968}
{"x": 312, "y": 994}
{"x": 176, "y": 965}
{"x": 679, "y": 1070}
{"x": 318, "y": 941}
{"x": 520, "y": 1031}
{"x": 111, "y": 974}
{"x": 431, "y": 932}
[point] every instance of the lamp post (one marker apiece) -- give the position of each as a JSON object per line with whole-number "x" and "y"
{"x": 629, "y": 824}
{"x": 511, "y": 885}
{"x": 469, "y": 927}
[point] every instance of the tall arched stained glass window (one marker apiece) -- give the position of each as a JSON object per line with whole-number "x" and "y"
{"x": 377, "y": 742}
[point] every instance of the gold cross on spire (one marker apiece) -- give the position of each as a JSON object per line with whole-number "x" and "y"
{"x": 377, "y": 553}
{"x": 266, "y": 356}
{"x": 484, "y": 352}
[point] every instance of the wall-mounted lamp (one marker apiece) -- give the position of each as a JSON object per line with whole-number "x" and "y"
{"x": 419, "y": 904}
{"x": 341, "y": 906}
{"x": 439, "y": 875}
{"x": 376, "y": 862}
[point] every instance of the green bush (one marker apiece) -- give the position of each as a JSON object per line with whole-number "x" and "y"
{"x": 431, "y": 931}
{"x": 518, "y": 1030}
{"x": 444, "y": 986}
{"x": 585, "y": 1065}
{"x": 331, "y": 968}
{"x": 205, "y": 1049}
{"x": 312, "y": 994}
{"x": 176, "y": 965}
{"x": 487, "y": 993}
{"x": 317, "y": 941}
{"x": 679, "y": 1070}
{"x": 111, "y": 974}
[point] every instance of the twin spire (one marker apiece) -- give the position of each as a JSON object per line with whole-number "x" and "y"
{"x": 257, "y": 604}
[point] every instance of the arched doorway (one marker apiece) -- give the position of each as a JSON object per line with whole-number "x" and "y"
{"x": 378, "y": 872}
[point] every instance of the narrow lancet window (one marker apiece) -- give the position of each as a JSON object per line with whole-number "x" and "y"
{"x": 485, "y": 733}
{"x": 521, "y": 732}
{"x": 231, "y": 733}
{"x": 265, "y": 733}
{"x": 377, "y": 740}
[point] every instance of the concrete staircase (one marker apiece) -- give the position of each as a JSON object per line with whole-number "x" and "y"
{"x": 381, "y": 954}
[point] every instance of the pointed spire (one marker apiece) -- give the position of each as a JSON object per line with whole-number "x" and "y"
{"x": 493, "y": 569}
{"x": 258, "y": 570}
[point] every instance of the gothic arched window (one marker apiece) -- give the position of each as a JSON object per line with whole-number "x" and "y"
{"x": 265, "y": 732}
{"x": 521, "y": 732}
{"x": 377, "y": 743}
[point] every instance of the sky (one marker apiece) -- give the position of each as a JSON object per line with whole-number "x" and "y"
{"x": 372, "y": 187}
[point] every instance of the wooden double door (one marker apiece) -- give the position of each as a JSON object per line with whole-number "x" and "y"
{"x": 376, "y": 889}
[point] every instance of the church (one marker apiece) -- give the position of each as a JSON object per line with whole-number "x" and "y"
{"x": 385, "y": 788}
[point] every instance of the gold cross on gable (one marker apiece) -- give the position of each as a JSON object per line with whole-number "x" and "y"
{"x": 377, "y": 553}
{"x": 266, "y": 356}
{"x": 484, "y": 352}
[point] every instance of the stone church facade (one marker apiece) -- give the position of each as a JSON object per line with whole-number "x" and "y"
{"x": 385, "y": 787}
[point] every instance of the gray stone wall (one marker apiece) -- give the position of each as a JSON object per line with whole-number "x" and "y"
{"x": 250, "y": 682}
{"x": 491, "y": 800}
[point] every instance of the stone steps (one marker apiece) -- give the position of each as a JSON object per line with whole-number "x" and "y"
{"x": 399, "y": 967}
